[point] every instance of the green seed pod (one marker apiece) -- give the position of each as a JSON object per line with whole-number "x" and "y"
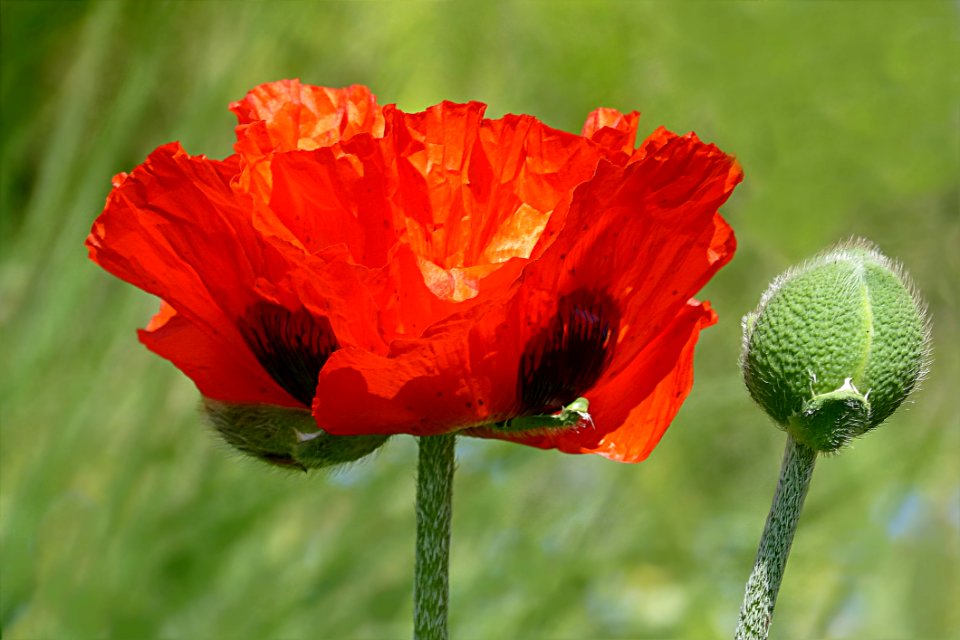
{"x": 285, "y": 437}
{"x": 835, "y": 345}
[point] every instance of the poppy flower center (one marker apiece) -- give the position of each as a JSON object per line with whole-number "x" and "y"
{"x": 566, "y": 358}
{"x": 292, "y": 346}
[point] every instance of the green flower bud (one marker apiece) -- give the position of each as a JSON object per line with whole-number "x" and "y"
{"x": 836, "y": 345}
{"x": 285, "y": 437}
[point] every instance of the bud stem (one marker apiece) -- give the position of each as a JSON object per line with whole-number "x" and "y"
{"x": 764, "y": 582}
{"x": 434, "y": 510}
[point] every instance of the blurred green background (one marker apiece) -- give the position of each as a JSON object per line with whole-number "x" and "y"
{"x": 122, "y": 518}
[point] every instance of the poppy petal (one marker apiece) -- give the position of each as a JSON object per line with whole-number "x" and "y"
{"x": 336, "y": 196}
{"x": 406, "y": 303}
{"x": 471, "y": 191}
{"x": 466, "y": 194}
{"x": 657, "y": 241}
{"x": 175, "y": 228}
{"x": 612, "y": 130}
{"x": 215, "y": 365}
{"x": 287, "y": 115}
{"x": 171, "y": 228}
{"x": 639, "y": 403}
{"x": 361, "y": 392}
{"x": 446, "y": 379}
{"x": 643, "y": 425}
{"x": 647, "y": 234}
{"x": 299, "y": 116}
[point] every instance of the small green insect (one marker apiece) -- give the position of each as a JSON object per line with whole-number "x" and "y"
{"x": 575, "y": 414}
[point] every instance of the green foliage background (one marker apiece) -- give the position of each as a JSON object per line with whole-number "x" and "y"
{"x": 121, "y": 518}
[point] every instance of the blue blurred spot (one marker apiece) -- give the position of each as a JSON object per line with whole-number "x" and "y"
{"x": 351, "y": 475}
{"x": 953, "y": 513}
{"x": 848, "y": 619}
{"x": 906, "y": 521}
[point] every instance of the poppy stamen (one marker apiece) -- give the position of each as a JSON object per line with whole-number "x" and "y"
{"x": 292, "y": 346}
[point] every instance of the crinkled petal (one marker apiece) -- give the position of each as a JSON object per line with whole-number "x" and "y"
{"x": 287, "y": 115}
{"x": 614, "y": 131}
{"x": 218, "y": 368}
{"x": 175, "y": 228}
{"x": 465, "y": 194}
{"x": 472, "y": 191}
{"x": 648, "y": 235}
{"x": 449, "y": 378}
{"x": 631, "y": 411}
{"x": 406, "y": 302}
{"x": 299, "y": 116}
{"x": 327, "y": 197}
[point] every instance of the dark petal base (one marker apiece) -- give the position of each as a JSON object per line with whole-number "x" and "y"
{"x": 292, "y": 346}
{"x": 568, "y": 356}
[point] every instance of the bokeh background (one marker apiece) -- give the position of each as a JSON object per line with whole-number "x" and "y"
{"x": 121, "y": 517}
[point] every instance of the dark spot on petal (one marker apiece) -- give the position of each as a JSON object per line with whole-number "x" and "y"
{"x": 292, "y": 346}
{"x": 566, "y": 358}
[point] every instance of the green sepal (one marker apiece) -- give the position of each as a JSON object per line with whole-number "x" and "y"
{"x": 829, "y": 421}
{"x": 321, "y": 449}
{"x": 285, "y": 437}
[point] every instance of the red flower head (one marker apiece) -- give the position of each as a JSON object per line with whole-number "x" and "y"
{"x": 429, "y": 272}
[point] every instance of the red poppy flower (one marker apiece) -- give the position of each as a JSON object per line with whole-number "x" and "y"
{"x": 429, "y": 272}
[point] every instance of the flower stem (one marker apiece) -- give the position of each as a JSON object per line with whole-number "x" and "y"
{"x": 434, "y": 509}
{"x": 764, "y": 582}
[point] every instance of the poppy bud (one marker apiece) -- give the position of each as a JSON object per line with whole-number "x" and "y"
{"x": 285, "y": 437}
{"x": 835, "y": 345}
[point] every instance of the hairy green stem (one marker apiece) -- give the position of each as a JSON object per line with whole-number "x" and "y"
{"x": 434, "y": 510}
{"x": 764, "y": 583}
